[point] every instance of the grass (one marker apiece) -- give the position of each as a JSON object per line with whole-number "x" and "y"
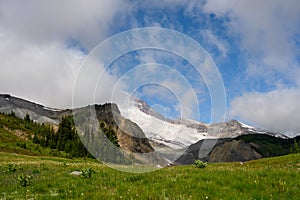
{"x": 272, "y": 178}
{"x": 29, "y": 171}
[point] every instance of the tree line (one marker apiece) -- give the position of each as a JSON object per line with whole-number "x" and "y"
{"x": 64, "y": 139}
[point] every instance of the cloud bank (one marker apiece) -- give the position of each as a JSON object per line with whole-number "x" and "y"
{"x": 42, "y": 45}
{"x": 278, "y": 110}
{"x": 268, "y": 31}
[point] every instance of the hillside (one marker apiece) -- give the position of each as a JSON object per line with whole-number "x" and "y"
{"x": 242, "y": 148}
{"x": 23, "y": 136}
{"x": 272, "y": 178}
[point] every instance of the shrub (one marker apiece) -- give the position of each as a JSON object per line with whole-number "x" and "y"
{"x": 25, "y": 180}
{"x": 11, "y": 168}
{"x": 22, "y": 145}
{"x": 200, "y": 164}
{"x": 87, "y": 173}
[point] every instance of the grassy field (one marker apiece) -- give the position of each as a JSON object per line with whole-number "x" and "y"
{"x": 273, "y": 178}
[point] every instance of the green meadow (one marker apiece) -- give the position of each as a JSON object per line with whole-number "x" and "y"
{"x": 42, "y": 177}
{"x": 31, "y": 170}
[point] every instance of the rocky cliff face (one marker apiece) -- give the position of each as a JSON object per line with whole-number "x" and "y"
{"x": 130, "y": 136}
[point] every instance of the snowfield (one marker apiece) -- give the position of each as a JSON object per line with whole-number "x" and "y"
{"x": 176, "y": 136}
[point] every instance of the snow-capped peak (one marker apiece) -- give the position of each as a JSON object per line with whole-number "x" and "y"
{"x": 181, "y": 133}
{"x": 163, "y": 132}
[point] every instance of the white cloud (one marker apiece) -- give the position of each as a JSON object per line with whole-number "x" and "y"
{"x": 37, "y": 63}
{"x": 40, "y": 21}
{"x": 37, "y": 72}
{"x": 189, "y": 105}
{"x": 267, "y": 30}
{"x": 214, "y": 40}
{"x": 278, "y": 110}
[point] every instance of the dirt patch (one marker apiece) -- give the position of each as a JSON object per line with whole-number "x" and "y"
{"x": 20, "y": 134}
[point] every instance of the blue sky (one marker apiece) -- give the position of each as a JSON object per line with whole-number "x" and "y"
{"x": 254, "y": 44}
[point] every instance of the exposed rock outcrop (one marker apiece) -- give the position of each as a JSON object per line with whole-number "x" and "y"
{"x": 130, "y": 135}
{"x": 233, "y": 151}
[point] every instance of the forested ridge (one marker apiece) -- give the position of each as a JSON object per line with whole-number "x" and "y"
{"x": 64, "y": 139}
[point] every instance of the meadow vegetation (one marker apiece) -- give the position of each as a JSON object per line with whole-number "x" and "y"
{"x": 49, "y": 178}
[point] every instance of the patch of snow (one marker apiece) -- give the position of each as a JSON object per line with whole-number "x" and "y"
{"x": 246, "y": 126}
{"x": 256, "y": 131}
{"x": 52, "y": 109}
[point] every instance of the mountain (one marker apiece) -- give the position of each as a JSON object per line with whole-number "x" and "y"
{"x": 179, "y": 134}
{"x": 37, "y": 112}
{"x": 162, "y": 132}
{"x": 130, "y": 137}
{"x": 145, "y": 136}
{"x": 183, "y": 141}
